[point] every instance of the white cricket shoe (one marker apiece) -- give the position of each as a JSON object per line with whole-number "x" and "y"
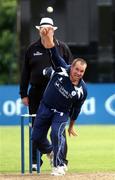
{"x": 58, "y": 171}
{"x": 34, "y": 167}
{"x": 65, "y": 167}
{"x": 50, "y": 156}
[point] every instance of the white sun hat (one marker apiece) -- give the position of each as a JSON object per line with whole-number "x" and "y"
{"x": 46, "y": 22}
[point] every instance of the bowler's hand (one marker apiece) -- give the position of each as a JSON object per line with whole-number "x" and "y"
{"x": 43, "y": 31}
{"x": 47, "y": 37}
{"x": 25, "y": 101}
{"x": 72, "y": 131}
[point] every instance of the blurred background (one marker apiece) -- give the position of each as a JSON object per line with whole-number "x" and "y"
{"x": 88, "y": 27}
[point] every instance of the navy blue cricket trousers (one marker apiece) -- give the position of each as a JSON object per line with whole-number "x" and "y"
{"x": 45, "y": 119}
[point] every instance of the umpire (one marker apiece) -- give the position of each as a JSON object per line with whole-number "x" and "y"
{"x": 37, "y": 58}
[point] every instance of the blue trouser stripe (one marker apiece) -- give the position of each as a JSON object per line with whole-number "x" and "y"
{"x": 45, "y": 119}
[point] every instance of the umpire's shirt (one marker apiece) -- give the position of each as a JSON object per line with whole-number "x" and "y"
{"x": 36, "y": 59}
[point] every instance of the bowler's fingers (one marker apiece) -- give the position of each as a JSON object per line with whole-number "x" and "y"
{"x": 43, "y": 31}
{"x": 72, "y": 132}
{"x": 46, "y": 30}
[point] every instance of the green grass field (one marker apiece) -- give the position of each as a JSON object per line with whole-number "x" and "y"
{"x": 93, "y": 150}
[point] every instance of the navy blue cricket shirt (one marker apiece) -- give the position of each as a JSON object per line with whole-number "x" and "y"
{"x": 60, "y": 93}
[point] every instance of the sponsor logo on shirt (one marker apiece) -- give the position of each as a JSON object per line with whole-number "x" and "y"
{"x": 73, "y": 93}
{"x": 37, "y": 53}
{"x": 62, "y": 90}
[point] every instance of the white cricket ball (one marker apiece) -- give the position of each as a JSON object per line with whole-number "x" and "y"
{"x": 50, "y": 9}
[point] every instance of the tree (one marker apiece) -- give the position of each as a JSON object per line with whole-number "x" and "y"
{"x": 8, "y": 42}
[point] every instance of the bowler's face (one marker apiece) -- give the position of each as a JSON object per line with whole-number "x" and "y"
{"x": 77, "y": 71}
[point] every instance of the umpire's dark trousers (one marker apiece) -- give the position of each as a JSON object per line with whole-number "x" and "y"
{"x": 35, "y": 95}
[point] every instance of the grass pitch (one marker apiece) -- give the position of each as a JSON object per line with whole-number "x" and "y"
{"x": 93, "y": 150}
